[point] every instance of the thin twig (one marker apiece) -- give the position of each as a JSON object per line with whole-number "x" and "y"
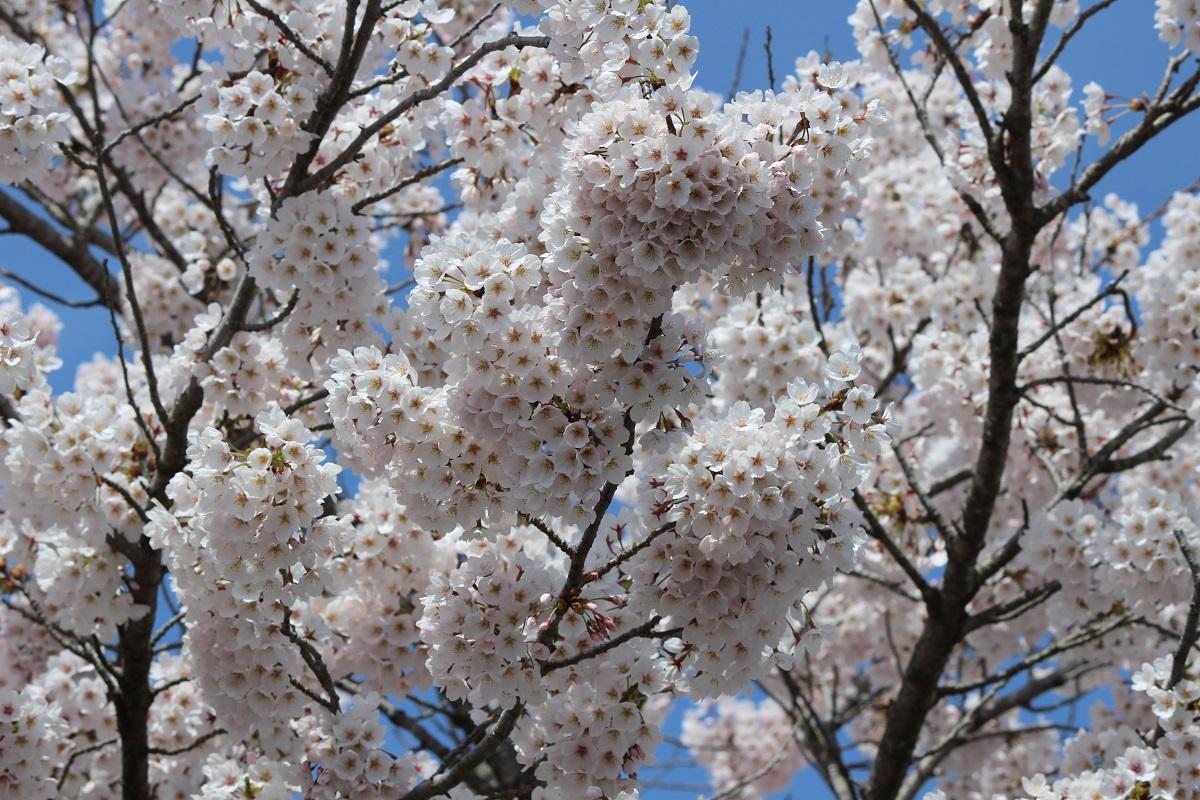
{"x": 159, "y": 751}
{"x": 51, "y": 296}
{"x": 737, "y": 68}
{"x": 66, "y": 772}
{"x": 770, "y": 61}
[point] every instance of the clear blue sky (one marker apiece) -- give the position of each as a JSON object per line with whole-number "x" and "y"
{"x": 1119, "y": 49}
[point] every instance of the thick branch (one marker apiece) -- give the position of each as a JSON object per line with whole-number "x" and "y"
{"x": 73, "y": 253}
{"x": 944, "y": 628}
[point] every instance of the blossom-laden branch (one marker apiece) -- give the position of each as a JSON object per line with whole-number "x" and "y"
{"x": 614, "y": 326}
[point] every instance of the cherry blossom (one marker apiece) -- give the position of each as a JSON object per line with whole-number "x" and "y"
{"x": 484, "y": 394}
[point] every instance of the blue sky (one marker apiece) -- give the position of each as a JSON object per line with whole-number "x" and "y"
{"x": 1119, "y": 49}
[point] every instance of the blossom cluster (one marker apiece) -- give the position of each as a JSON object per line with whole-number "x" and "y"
{"x": 230, "y": 777}
{"x": 166, "y": 303}
{"x": 662, "y": 191}
{"x": 71, "y": 685}
{"x": 85, "y": 445}
{"x": 349, "y": 749}
{"x": 319, "y": 251}
{"x": 252, "y": 523}
{"x": 743, "y": 744}
{"x": 602, "y": 721}
{"x": 31, "y": 119}
{"x": 31, "y": 732}
{"x": 500, "y": 633}
{"x": 766, "y": 345}
{"x": 18, "y": 351}
{"x": 1158, "y": 761}
{"x": 27, "y": 343}
{"x": 242, "y": 662}
{"x": 506, "y": 380}
{"x": 754, "y": 515}
{"x": 255, "y": 123}
{"x": 371, "y": 604}
{"x": 1178, "y": 22}
{"x": 1169, "y": 291}
{"x": 256, "y": 518}
{"x": 479, "y": 622}
{"x": 618, "y": 41}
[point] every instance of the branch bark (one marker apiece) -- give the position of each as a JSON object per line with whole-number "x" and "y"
{"x": 71, "y": 251}
{"x": 946, "y": 625}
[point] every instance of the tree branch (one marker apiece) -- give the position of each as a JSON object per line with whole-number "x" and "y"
{"x": 72, "y": 253}
{"x": 327, "y": 172}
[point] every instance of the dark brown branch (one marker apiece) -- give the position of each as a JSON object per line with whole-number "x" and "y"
{"x": 770, "y": 60}
{"x": 575, "y": 579}
{"x": 981, "y": 715}
{"x": 143, "y": 426}
{"x": 131, "y": 295}
{"x": 315, "y": 663}
{"x": 944, "y": 527}
{"x": 315, "y": 397}
{"x": 427, "y": 740}
{"x": 1158, "y": 117}
{"x": 1011, "y": 609}
{"x": 79, "y": 229}
{"x": 810, "y": 285}
{"x": 293, "y": 38}
{"x": 176, "y": 619}
{"x": 1094, "y": 381}
{"x": 135, "y": 654}
{"x": 134, "y": 130}
{"x": 949, "y": 482}
{"x": 65, "y": 639}
{"x": 1069, "y": 34}
{"x": 1080, "y": 638}
{"x": 643, "y": 631}
{"x": 350, "y": 56}
{"x": 973, "y": 205}
{"x": 895, "y": 587}
{"x": 944, "y": 627}
{"x": 76, "y": 754}
{"x": 625, "y": 555}
{"x": 1102, "y": 462}
{"x": 1007, "y": 552}
{"x": 550, "y": 534}
{"x": 127, "y": 497}
{"x": 877, "y": 532}
{"x": 819, "y": 737}
{"x": 352, "y": 150}
{"x": 1154, "y": 452}
{"x": 416, "y": 177}
{"x": 900, "y": 355}
{"x": 48, "y": 295}
{"x": 8, "y": 412}
{"x": 950, "y": 55}
{"x": 280, "y": 316}
{"x": 736, "y": 81}
{"x": 175, "y": 751}
{"x": 1191, "y": 626}
{"x": 73, "y": 253}
{"x": 475, "y": 26}
{"x": 1108, "y": 291}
